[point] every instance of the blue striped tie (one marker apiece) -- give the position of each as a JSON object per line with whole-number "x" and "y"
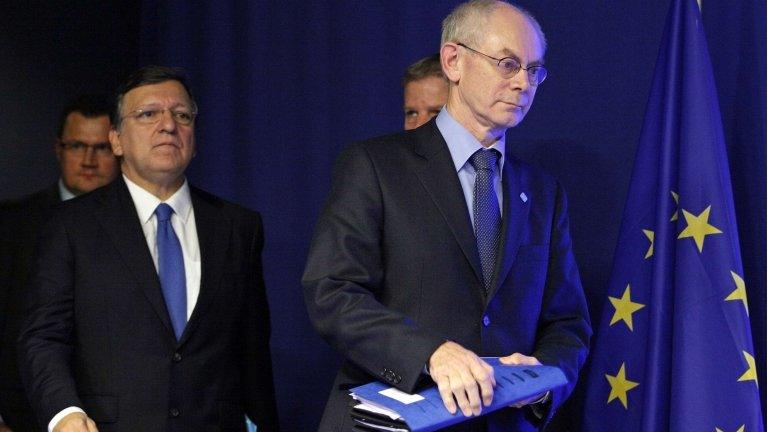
{"x": 170, "y": 263}
{"x": 486, "y": 212}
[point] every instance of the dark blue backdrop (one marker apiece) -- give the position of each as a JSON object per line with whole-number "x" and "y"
{"x": 283, "y": 86}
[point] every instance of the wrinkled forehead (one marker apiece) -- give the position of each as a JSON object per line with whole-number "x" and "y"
{"x": 167, "y": 93}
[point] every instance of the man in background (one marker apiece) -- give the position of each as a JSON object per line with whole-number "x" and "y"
{"x": 425, "y": 91}
{"x": 85, "y": 163}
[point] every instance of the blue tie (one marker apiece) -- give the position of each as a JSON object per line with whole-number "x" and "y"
{"x": 486, "y": 213}
{"x": 170, "y": 263}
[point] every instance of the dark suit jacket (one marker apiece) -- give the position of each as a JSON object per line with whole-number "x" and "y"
{"x": 393, "y": 272}
{"x": 20, "y": 221}
{"x": 99, "y": 337}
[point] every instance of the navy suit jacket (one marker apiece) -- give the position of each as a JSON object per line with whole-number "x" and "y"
{"x": 99, "y": 336}
{"x": 393, "y": 272}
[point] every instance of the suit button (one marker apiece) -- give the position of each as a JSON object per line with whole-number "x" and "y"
{"x": 486, "y": 321}
{"x": 174, "y": 412}
{"x": 176, "y": 357}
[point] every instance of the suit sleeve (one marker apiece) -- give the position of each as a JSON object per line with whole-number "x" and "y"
{"x": 344, "y": 280}
{"x": 45, "y": 343}
{"x": 563, "y": 329}
{"x": 257, "y": 360}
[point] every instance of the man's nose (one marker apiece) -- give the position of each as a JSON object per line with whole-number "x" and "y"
{"x": 89, "y": 157}
{"x": 520, "y": 81}
{"x": 167, "y": 123}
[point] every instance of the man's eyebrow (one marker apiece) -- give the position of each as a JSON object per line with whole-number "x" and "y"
{"x": 506, "y": 52}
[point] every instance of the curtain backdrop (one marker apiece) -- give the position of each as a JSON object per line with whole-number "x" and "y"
{"x": 283, "y": 86}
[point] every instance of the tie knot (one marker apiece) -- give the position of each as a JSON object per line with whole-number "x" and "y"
{"x": 484, "y": 159}
{"x": 163, "y": 212}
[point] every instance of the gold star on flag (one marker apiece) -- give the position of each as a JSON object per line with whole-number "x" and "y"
{"x": 620, "y": 385}
{"x": 675, "y": 197}
{"x": 751, "y": 373}
{"x": 649, "y": 234}
{"x": 698, "y": 227}
{"x": 740, "y": 293}
{"x": 740, "y": 429}
{"x": 625, "y": 307}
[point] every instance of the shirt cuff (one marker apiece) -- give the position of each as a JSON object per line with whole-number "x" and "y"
{"x": 539, "y": 408}
{"x": 543, "y": 398}
{"x": 63, "y": 413}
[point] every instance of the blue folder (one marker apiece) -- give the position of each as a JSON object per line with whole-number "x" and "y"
{"x": 428, "y": 413}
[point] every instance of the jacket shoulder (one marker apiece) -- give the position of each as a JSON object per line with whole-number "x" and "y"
{"x": 229, "y": 208}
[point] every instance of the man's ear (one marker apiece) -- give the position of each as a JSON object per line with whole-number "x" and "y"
{"x": 449, "y": 60}
{"x": 114, "y": 141}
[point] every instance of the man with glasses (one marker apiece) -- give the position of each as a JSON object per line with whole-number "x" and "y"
{"x": 86, "y": 162}
{"x": 148, "y": 309}
{"x": 435, "y": 248}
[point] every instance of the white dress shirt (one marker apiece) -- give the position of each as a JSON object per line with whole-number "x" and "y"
{"x": 64, "y": 192}
{"x": 183, "y": 222}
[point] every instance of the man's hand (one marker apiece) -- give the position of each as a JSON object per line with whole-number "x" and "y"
{"x": 524, "y": 360}
{"x": 5, "y": 428}
{"x": 75, "y": 422}
{"x": 461, "y": 374}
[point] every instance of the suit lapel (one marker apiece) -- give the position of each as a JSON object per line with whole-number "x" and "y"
{"x": 438, "y": 175}
{"x": 213, "y": 231}
{"x": 514, "y": 219}
{"x": 119, "y": 219}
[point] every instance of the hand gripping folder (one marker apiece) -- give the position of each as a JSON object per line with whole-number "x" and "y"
{"x": 385, "y": 408}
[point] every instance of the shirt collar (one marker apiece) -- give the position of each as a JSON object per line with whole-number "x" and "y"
{"x": 461, "y": 143}
{"x": 64, "y": 192}
{"x": 146, "y": 203}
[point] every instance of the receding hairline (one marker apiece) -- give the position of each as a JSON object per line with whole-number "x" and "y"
{"x": 465, "y": 22}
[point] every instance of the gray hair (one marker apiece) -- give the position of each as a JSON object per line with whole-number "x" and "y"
{"x": 465, "y": 23}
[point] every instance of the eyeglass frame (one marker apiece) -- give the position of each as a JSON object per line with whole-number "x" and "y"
{"x": 95, "y": 148}
{"x": 139, "y": 111}
{"x": 520, "y": 65}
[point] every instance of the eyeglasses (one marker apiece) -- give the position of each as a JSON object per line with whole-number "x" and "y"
{"x": 79, "y": 148}
{"x": 510, "y": 66}
{"x": 153, "y": 115}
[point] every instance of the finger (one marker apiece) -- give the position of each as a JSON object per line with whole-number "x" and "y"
{"x": 520, "y": 359}
{"x": 460, "y": 394}
{"x": 91, "y": 425}
{"x": 444, "y": 386}
{"x": 489, "y": 368}
{"x": 508, "y": 360}
{"x": 473, "y": 396}
{"x": 483, "y": 374}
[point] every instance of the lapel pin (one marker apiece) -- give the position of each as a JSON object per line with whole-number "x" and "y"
{"x": 523, "y": 197}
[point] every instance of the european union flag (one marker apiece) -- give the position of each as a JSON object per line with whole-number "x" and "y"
{"x": 674, "y": 350}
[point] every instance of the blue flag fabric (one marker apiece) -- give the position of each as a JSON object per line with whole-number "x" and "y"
{"x": 674, "y": 349}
